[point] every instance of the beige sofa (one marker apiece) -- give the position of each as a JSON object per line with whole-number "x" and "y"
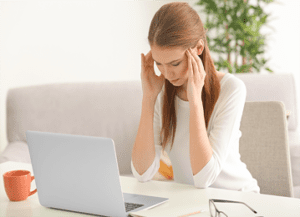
{"x": 113, "y": 109}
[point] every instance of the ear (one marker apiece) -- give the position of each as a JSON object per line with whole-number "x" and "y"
{"x": 200, "y": 47}
{"x": 200, "y": 51}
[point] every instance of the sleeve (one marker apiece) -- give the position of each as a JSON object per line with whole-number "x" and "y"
{"x": 225, "y": 130}
{"x": 152, "y": 170}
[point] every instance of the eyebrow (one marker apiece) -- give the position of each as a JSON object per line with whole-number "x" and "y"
{"x": 169, "y": 62}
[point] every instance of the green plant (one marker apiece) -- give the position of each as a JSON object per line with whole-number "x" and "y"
{"x": 241, "y": 23}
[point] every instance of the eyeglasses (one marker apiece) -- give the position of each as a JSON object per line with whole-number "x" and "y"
{"x": 214, "y": 212}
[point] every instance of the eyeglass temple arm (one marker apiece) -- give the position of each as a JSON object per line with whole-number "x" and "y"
{"x": 230, "y": 201}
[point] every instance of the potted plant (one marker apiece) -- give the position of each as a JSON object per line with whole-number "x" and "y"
{"x": 238, "y": 24}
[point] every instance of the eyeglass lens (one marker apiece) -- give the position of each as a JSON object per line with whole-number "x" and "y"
{"x": 212, "y": 209}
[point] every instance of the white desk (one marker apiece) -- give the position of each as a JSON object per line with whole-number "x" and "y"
{"x": 183, "y": 199}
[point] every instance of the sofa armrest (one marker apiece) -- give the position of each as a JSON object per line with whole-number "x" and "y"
{"x": 16, "y": 151}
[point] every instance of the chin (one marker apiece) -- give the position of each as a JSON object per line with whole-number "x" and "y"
{"x": 177, "y": 82}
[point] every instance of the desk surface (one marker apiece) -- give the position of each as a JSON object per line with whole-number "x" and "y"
{"x": 183, "y": 199}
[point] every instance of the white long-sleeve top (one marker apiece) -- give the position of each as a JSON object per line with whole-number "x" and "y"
{"x": 225, "y": 169}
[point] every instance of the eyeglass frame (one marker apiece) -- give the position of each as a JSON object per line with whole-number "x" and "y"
{"x": 212, "y": 201}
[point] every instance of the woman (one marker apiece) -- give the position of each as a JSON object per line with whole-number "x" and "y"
{"x": 203, "y": 106}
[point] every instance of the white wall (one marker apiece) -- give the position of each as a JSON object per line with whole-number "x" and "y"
{"x": 81, "y": 41}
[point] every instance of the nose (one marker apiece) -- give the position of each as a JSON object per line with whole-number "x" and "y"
{"x": 169, "y": 75}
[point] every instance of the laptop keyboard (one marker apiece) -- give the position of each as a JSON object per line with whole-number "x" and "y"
{"x": 131, "y": 206}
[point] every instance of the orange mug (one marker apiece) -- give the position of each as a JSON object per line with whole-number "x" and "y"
{"x": 17, "y": 184}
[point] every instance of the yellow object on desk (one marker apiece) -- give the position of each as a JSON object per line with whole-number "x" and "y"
{"x": 165, "y": 170}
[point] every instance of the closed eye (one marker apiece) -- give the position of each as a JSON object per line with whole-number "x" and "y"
{"x": 172, "y": 65}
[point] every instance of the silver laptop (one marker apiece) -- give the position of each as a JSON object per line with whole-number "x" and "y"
{"x": 81, "y": 174}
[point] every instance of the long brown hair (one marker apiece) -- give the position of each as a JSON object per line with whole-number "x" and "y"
{"x": 177, "y": 25}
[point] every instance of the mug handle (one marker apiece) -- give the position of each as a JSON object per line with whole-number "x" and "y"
{"x": 32, "y": 192}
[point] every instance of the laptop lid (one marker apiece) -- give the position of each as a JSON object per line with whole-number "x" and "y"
{"x": 76, "y": 173}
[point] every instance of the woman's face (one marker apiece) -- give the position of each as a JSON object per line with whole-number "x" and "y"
{"x": 173, "y": 64}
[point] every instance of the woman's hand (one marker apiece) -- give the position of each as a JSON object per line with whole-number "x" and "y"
{"x": 196, "y": 77}
{"x": 151, "y": 83}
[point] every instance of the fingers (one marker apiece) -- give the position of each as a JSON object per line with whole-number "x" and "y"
{"x": 149, "y": 54}
{"x": 193, "y": 60}
{"x": 147, "y": 63}
{"x": 148, "y": 58}
{"x": 142, "y": 59}
{"x": 190, "y": 66}
{"x": 198, "y": 62}
{"x": 151, "y": 60}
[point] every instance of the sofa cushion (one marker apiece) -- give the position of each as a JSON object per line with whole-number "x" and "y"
{"x": 297, "y": 191}
{"x": 281, "y": 87}
{"x": 295, "y": 164}
{"x": 16, "y": 151}
{"x": 104, "y": 109}
{"x": 294, "y": 145}
{"x": 294, "y": 137}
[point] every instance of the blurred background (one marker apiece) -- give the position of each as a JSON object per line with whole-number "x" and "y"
{"x": 45, "y": 42}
